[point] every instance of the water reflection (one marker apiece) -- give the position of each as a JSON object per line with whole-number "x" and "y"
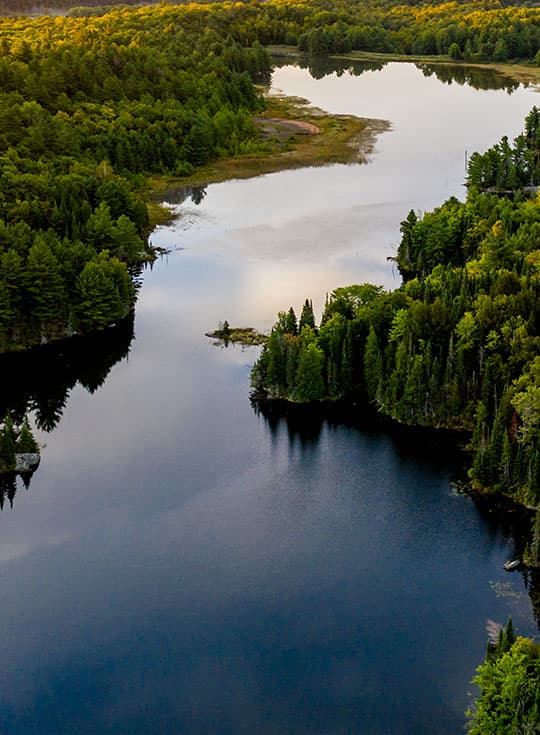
{"x": 438, "y": 452}
{"x": 303, "y": 424}
{"x": 39, "y": 381}
{"x": 471, "y": 76}
{"x": 179, "y": 194}
{"x": 320, "y": 67}
{"x": 532, "y": 583}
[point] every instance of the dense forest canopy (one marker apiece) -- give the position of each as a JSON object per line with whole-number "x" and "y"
{"x": 491, "y": 30}
{"x": 88, "y": 108}
{"x": 509, "y": 683}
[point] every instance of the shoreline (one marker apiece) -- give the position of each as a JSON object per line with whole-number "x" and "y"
{"x": 354, "y": 411}
{"x": 299, "y": 135}
{"x": 305, "y": 136}
{"x": 518, "y": 70}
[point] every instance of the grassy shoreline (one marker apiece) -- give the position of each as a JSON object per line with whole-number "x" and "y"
{"x": 340, "y": 139}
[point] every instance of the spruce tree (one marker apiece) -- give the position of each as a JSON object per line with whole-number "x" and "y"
{"x": 372, "y": 364}
{"x": 309, "y": 385}
{"x": 291, "y": 324}
{"x": 26, "y": 444}
{"x": 509, "y": 635}
{"x": 45, "y": 286}
{"x": 307, "y": 318}
{"x": 7, "y": 446}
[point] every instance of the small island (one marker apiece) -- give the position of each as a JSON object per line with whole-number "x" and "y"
{"x": 19, "y": 451}
{"x": 246, "y": 336}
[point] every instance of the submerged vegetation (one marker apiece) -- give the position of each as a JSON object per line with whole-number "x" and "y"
{"x": 456, "y": 346}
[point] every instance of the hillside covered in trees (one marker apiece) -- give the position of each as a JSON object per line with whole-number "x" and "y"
{"x": 456, "y": 346}
{"x": 492, "y": 30}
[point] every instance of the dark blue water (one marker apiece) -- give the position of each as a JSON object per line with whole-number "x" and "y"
{"x": 180, "y": 564}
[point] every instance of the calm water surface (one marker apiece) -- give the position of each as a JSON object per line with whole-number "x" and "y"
{"x": 182, "y": 565}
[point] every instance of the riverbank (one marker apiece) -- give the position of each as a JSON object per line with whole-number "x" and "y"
{"x": 296, "y": 134}
{"x": 518, "y": 71}
{"x": 299, "y": 135}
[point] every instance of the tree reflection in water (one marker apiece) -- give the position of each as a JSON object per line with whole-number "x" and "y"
{"x": 39, "y": 382}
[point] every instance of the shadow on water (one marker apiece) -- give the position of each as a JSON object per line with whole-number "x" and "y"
{"x": 305, "y": 423}
{"x": 40, "y": 381}
{"x": 435, "y": 450}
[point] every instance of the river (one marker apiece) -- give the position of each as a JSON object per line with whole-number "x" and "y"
{"x": 180, "y": 564}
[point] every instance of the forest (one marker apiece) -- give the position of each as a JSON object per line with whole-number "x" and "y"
{"x": 95, "y": 104}
{"x": 89, "y": 110}
{"x": 493, "y": 30}
{"x": 456, "y": 346}
{"x": 509, "y": 682}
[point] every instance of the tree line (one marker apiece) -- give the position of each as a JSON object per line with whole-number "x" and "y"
{"x": 456, "y": 346}
{"x": 469, "y": 31}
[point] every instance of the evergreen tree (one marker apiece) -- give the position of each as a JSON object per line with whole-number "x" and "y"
{"x": 373, "y": 364}
{"x": 45, "y": 285}
{"x": 307, "y": 317}
{"x": 276, "y": 365}
{"x": 25, "y": 441}
{"x": 291, "y": 324}
{"x": 7, "y": 446}
{"x": 309, "y": 383}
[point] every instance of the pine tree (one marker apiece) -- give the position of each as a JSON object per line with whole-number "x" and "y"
{"x": 25, "y": 441}
{"x": 373, "y": 364}
{"x": 276, "y": 365}
{"x": 45, "y": 285}
{"x": 7, "y": 446}
{"x": 307, "y": 318}
{"x": 509, "y": 635}
{"x": 309, "y": 384}
{"x": 291, "y": 324}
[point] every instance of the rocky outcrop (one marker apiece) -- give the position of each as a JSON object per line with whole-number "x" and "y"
{"x": 26, "y": 461}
